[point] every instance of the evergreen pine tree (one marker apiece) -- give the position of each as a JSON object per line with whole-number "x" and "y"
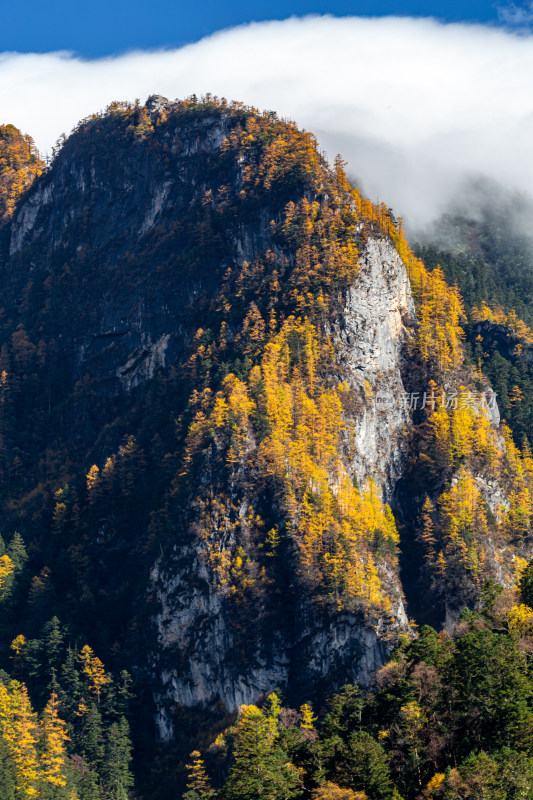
{"x": 369, "y": 767}
{"x": 260, "y": 769}
{"x": 526, "y": 585}
{"x": 53, "y": 645}
{"x": 16, "y": 550}
{"x": 90, "y": 739}
{"x": 116, "y": 774}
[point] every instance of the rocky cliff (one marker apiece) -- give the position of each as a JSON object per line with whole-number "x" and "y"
{"x": 369, "y": 342}
{"x": 308, "y": 646}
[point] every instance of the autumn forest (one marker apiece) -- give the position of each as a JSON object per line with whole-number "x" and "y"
{"x": 225, "y": 572}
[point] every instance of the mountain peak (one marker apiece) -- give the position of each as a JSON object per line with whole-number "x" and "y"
{"x": 242, "y": 433}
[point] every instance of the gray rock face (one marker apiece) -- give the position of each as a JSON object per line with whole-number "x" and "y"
{"x": 492, "y": 407}
{"x": 194, "y": 634}
{"x": 25, "y": 221}
{"x": 156, "y": 103}
{"x": 368, "y": 341}
{"x": 193, "y": 626}
{"x": 143, "y": 362}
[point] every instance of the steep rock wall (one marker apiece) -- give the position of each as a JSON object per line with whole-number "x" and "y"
{"x": 369, "y": 339}
{"x": 307, "y": 647}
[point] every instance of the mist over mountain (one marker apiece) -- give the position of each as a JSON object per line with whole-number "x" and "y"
{"x": 414, "y": 105}
{"x": 483, "y": 203}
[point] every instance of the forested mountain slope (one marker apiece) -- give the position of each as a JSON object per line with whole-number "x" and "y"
{"x": 240, "y": 429}
{"x": 485, "y": 245}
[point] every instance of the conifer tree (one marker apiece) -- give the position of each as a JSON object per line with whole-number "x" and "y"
{"x": 526, "y": 585}
{"x": 90, "y": 739}
{"x": 53, "y": 739}
{"x": 369, "y": 767}
{"x": 427, "y": 534}
{"x": 53, "y": 638}
{"x": 16, "y": 551}
{"x": 19, "y": 727}
{"x": 6, "y": 571}
{"x": 116, "y": 774}
{"x": 198, "y": 784}
{"x": 94, "y": 670}
{"x": 8, "y": 775}
{"x": 260, "y": 770}
{"x": 308, "y": 719}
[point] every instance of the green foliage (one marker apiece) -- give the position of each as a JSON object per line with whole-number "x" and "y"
{"x": 487, "y": 250}
{"x": 260, "y": 768}
{"x": 99, "y": 741}
{"x": 526, "y": 585}
{"x": 451, "y": 717}
{"x": 115, "y": 773}
{"x": 8, "y": 777}
{"x": 360, "y": 764}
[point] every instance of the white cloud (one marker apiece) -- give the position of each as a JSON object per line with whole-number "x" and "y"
{"x": 413, "y": 104}
{"x": 516, "y": 16}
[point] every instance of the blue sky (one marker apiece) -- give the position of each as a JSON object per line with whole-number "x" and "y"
{"x": 104, "y": 27}
{"x": 415, "y": 104}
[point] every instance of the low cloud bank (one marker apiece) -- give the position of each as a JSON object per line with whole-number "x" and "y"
{"x": 413, "y": 105}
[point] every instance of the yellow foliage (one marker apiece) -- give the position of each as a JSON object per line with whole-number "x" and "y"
{"x": 93, "y": 668}
{"x": 37, "y": 748}
{"x": 53, "y": 738}
{"x": 19, "y": 727}
{"x": 518, "y": 516}
{"x": 19, "y": 166}
{"x": 462, "y": 432}
{"x": 220, "y": 563}
{"x": 240, "y": 407}
{"x": 82, "y": 709}
{"x": 435, "y": 783}
{"x": 440, "y": 310}
{"x": 520, "y": 619}
{"x": 7, "y": 569}
{"x": 461, "y": 429}
{"x": 93, "y": 477}
{"x": 283, "y": 412}
{"x": 412, "y": 715}
{"x": 308, "y": 719}
{"x": 519, "y": 566}
{"x": 333, "y": 524}
{"x": 498, "y": 316}
{"x": 330, "y": 791}
{"x": 464, "y": 522}
{"x": 198, "y": 783}
{"x": 109, "y": 466}
{"x": 18, "y": 644}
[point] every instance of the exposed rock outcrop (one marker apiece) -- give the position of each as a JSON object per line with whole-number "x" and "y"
{"x": 369, "y": 342}
{"x": 310, "y": 647}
